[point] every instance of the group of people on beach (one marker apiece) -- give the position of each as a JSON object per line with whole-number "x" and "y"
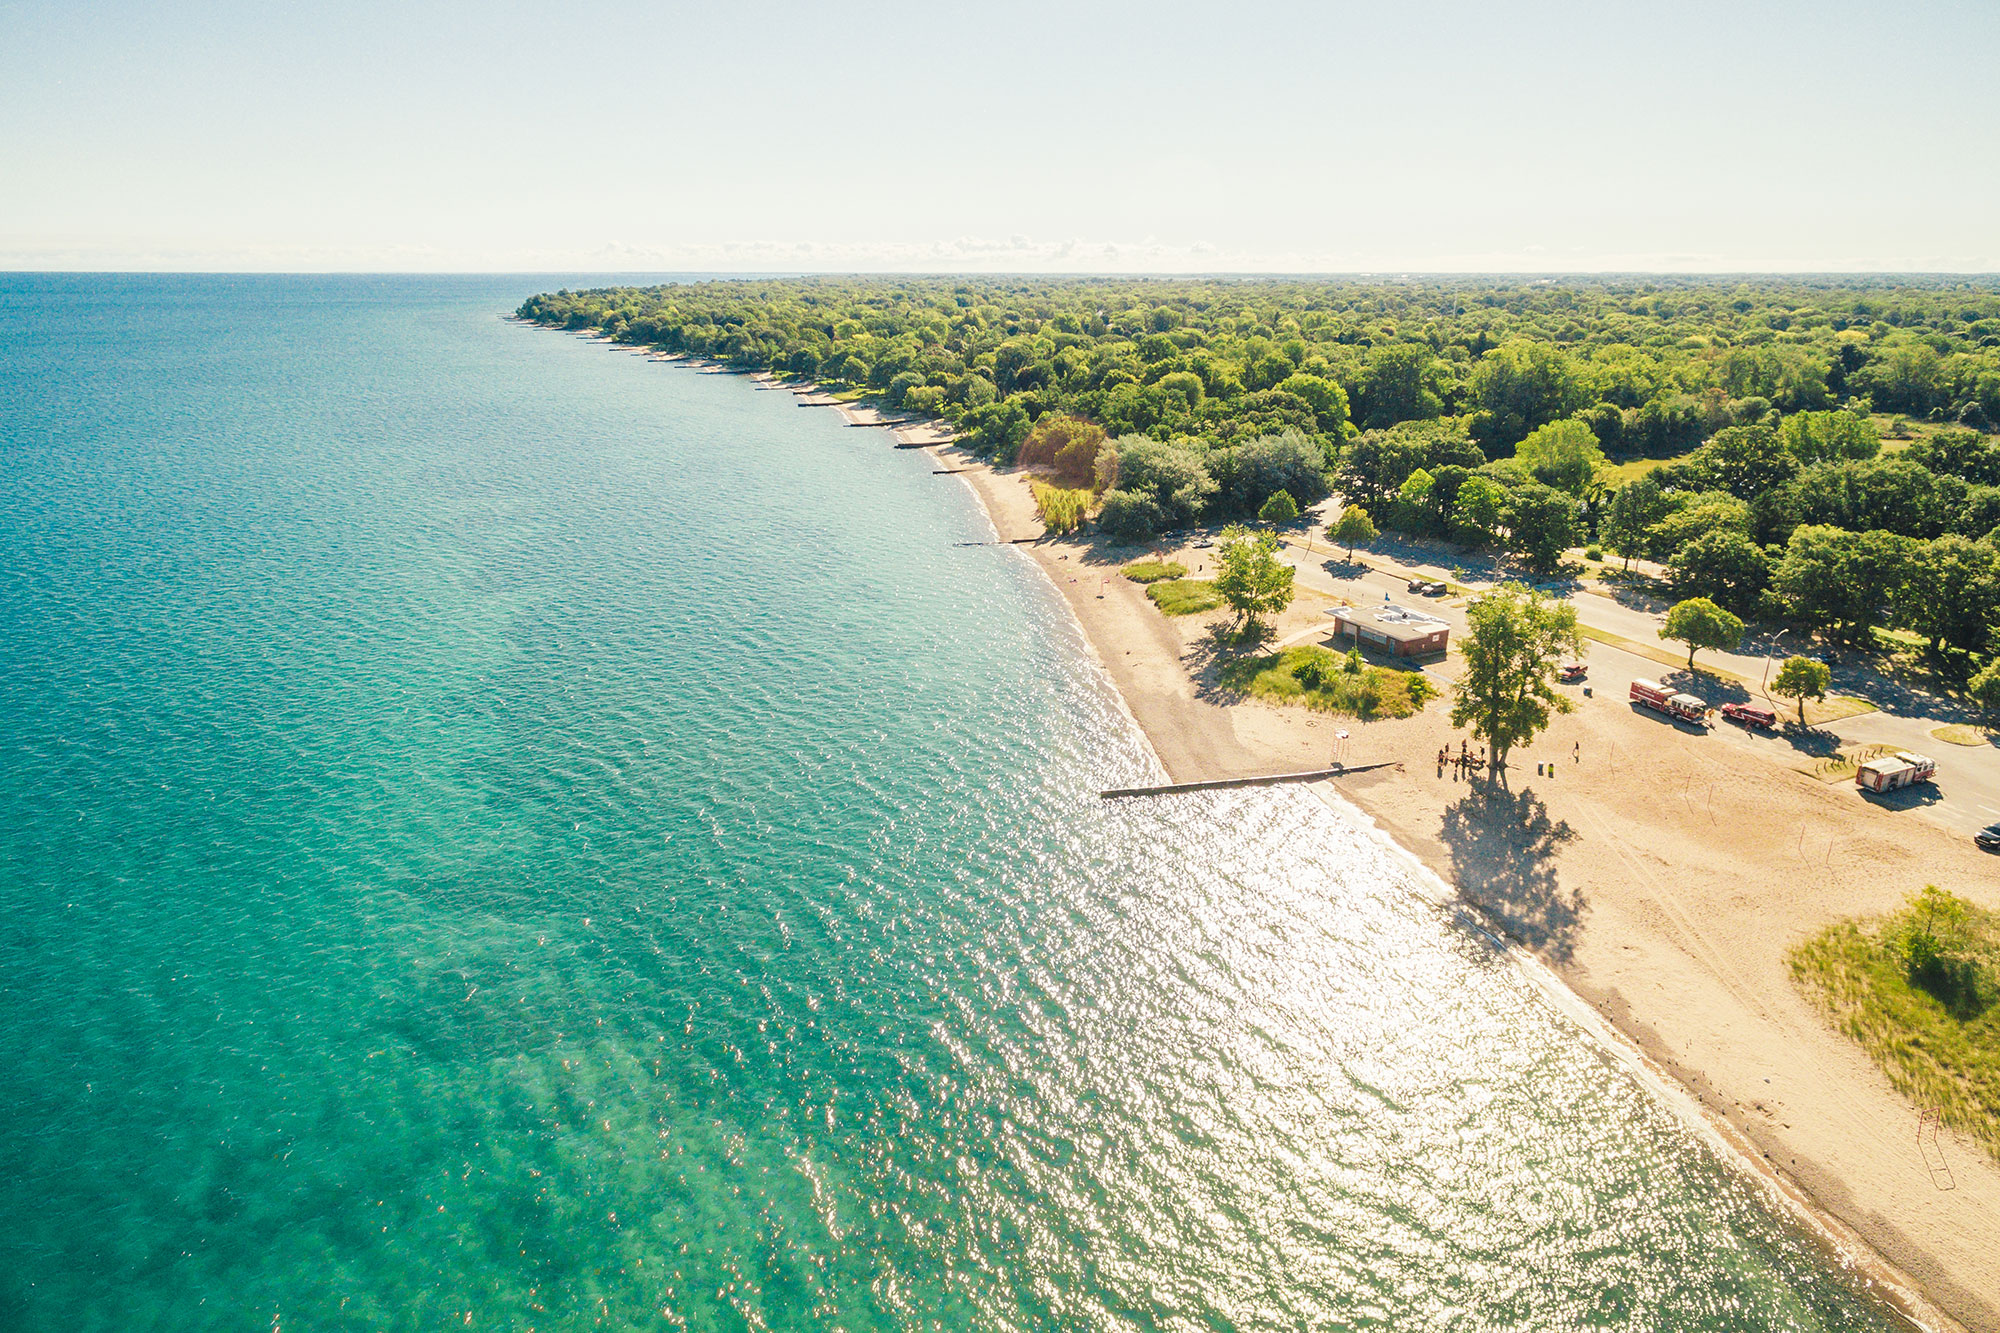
{"x": 1466, "y": 759}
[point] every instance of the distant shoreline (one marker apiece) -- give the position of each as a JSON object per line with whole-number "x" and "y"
{"x": 1665, "y": 996}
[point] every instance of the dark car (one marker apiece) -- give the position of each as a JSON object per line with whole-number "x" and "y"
{"x": 1988, "y": 837}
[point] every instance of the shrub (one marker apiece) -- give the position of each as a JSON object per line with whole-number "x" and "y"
{"x": 1127, "y": 516}
{"x": 1313, "y": 677}
{"x": 1280, "y": 508}
{"x": 1593, "y": 552}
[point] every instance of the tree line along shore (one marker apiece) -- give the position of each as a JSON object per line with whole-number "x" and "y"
{"x": 1816, "y": 452}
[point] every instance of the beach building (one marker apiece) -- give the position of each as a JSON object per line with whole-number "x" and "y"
{"x": 1395, "y": 630}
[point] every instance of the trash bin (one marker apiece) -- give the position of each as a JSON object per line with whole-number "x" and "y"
{"x": 1586, "y": 691}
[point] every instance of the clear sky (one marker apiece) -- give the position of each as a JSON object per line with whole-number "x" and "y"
{"x": 1231, "y": 136}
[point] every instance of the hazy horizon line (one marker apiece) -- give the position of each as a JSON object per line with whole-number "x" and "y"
{"x": 1385, "y": 274}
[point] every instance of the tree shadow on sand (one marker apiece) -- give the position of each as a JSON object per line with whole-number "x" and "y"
{"x": 1503, "y": 846}
{"x": 1224, "y": 644}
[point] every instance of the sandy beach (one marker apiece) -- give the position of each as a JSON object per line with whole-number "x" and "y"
{"x": 1661, "y": 875}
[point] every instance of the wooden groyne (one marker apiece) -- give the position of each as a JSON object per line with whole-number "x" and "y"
{"x": 1261, "y": 780}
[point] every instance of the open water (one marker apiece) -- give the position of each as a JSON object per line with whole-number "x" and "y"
{"x": 498, "y": 833}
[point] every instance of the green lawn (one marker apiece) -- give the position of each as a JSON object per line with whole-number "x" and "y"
{"x": 1615, "y": 475}
{"x": 1935, "y": 1031}
{"x": 1328, "y": 684}
{"x": 1184, "y": 597}
{"x": 1154, "y": 571}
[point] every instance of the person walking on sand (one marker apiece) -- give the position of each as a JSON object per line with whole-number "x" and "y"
{"x": 1576, "y": 752}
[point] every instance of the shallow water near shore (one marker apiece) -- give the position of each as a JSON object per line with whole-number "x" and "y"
{"x": 497, "y": 831}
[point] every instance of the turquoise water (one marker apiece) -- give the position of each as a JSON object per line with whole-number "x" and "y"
{"x": 497, "y": 832}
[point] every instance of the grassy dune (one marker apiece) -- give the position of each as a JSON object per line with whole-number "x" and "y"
{"x": 1931, "y": 1021}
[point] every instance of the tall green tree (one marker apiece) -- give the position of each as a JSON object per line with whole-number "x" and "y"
{"x": 1252, "y": 578}
{"x": 1399, "y": 384}
{"x": 1802, "y": 678}
{"x": 1841, "y": 582}
{"x": 1516, "y": 640}
{"x": 1628, "y": 520}
{"x": 1826, "y": 437}
{"x": 1724, "y": 566}
{"x": 1327, "y": 400}
{"x": 1478, "y": 510}
{"x": 1412, "y": 510}
{"x": 1280, "y": 508}
{"x": 1700, "y": 623}
{"x": 1743, "y": 460}
{"x": 1173, "y": 477}
{"x": 1541, "y": 525}
{"x": 1984, "y": 688}
{"x": 1353, "y": 527}
{"x": 1563, "y": 454}
{"x": 1693, "y": 514}
{"x": 1952, "y": 595}
{"x": 1521, "y": 385}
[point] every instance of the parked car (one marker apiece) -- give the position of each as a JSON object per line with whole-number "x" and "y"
{"x": 1755, "y": 716}
{"x": 1988, "y": 837}
{"x": 1571, "y": 672}
{"x": 1428, "y": 587}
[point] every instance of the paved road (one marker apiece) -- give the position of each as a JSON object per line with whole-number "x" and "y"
{"x": 1966, "y": 795}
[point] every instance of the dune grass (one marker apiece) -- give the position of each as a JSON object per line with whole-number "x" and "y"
{"x": 1932, "y": 1024}
{"x": 1309, "y": 676}
{"x": 1184, "y": 597}
{"x": 1062, "y": 508}
{"x": 1154, "y": 571}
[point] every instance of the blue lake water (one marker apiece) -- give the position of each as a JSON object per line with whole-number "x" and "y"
{"x": 498, "y": 832}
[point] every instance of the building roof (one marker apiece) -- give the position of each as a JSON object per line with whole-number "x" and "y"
{"x": 1400, "y": 623}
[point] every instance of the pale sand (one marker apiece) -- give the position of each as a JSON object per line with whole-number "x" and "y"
{"x": 1661, "y": 876}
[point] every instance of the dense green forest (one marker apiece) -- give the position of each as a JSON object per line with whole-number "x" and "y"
{"x": 1824, "y": 444}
